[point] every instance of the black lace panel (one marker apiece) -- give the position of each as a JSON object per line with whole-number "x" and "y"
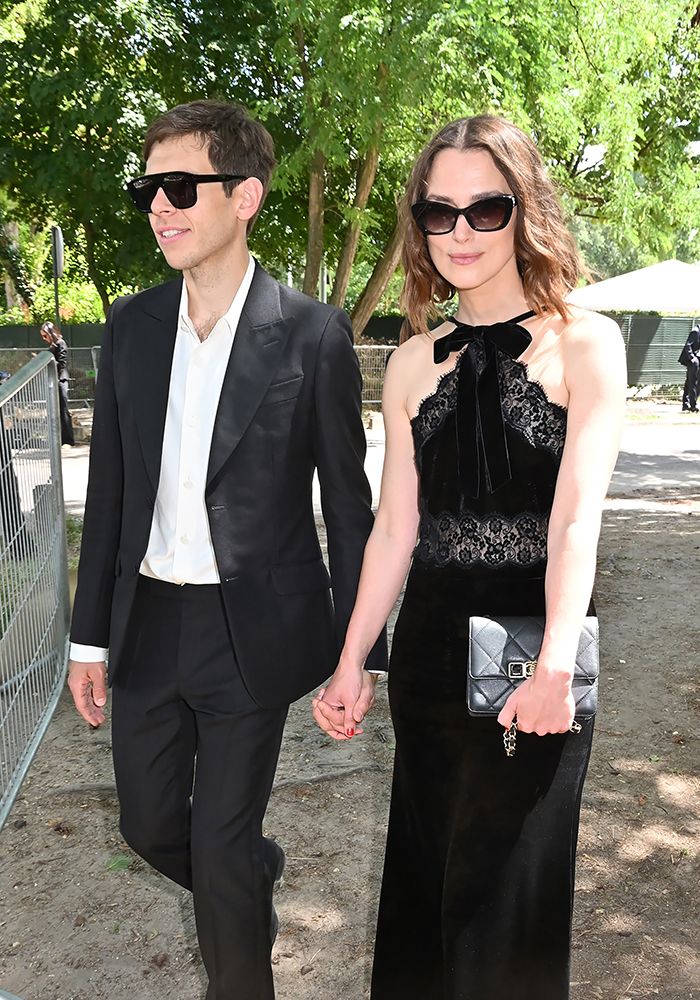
{"x": 528, "y": 409}
{"x": 490, "y": 539}
{"x": 433, "y": 409}
{"x": 464, "y": 536}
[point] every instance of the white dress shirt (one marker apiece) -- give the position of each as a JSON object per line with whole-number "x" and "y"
{"x": 179, "y": 546}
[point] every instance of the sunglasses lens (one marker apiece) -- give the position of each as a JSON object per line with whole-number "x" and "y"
{"x": 490, "y": 214}
{"x": 142, "y": 191}
{"x": 435, "y": 218}
{"x": 180, "y": 190}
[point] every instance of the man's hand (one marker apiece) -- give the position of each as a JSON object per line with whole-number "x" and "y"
{"x": 88, "y": 685}
{"x": 339, "y": 708}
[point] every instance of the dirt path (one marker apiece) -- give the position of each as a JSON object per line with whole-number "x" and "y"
{"x": 81, "y": 917}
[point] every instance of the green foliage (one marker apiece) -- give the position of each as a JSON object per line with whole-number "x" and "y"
{"x": 15, "y": 316}
{"x": 604, "y": 254}
{"x": 610, "y": 91}
{"x": 120, "y": 863}
{"x": 79, "y": 302}
{"x": 90, "y": 77}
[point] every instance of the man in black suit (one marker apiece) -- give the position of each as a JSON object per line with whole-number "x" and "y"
{"x": 690, "y": 357}
{"x": 201, "y": 569}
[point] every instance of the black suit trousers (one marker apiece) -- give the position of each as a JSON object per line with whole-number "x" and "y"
{"x": 690, "y": 389}
{"x": 194, "y": 759}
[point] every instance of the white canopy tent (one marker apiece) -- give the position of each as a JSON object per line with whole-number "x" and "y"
{"x": 670, "y": 288}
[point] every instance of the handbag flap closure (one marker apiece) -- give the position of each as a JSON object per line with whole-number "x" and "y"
{"x": 497, "y": 648}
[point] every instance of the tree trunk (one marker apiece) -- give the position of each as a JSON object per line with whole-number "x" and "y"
{"x": 92, "y": 269}
{"x": 11, "y": 295}
{"x": 374, "y": 289}
{"x": 365, "y": 180}
{"x": 314, "y": 243}
{"x": 11, "y": 260}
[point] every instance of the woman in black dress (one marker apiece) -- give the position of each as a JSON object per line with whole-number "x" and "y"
{"x": 502, "y": 428}
{"x": 51, "y": 335}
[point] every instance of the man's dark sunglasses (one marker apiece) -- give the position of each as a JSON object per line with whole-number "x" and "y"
{"x": 435, "y": 218}
{"x": 180, "y": 188}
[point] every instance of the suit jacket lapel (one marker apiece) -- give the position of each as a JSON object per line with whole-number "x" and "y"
{"x": 154, "y": 346}
{"x": 257, "y": 348}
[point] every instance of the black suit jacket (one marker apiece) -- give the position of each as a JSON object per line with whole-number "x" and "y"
{"x": 691, "y": 348}
{"x": 290, "y": 403}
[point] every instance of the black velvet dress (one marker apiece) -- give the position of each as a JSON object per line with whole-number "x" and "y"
{"x": 478, "y": 882}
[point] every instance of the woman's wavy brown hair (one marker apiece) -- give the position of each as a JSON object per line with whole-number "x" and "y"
{"x": 545, "y": 250}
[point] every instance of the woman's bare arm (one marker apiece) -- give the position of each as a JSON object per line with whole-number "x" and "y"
{"x": 386, "y": 559}
{"x": 596, "y": 377}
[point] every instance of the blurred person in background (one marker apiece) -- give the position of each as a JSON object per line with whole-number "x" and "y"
{"x": 51, "y": 335}
{"x": 690, "y": 357}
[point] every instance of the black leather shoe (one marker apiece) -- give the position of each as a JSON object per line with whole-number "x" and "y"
{"x": 279, "y": 870}
{"x": 276, "y": 880}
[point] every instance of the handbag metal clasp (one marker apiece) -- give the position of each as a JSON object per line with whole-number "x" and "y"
{"x": 520, "y": 669}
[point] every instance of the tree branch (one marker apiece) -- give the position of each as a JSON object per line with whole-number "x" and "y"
{"x": 379, "y": 279}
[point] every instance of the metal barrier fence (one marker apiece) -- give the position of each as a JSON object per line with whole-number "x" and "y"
{"x": 372, "y": 364}
{"x": 82, "y": 369}
{"x": 34, "y": 601}
{"x": 653, "y": 344}
{"x": 83, "y": 364}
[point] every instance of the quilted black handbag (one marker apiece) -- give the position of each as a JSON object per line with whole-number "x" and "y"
{"x": 503, "y": 652}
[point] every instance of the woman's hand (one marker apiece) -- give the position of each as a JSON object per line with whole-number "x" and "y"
{"x": 339, "y": 707}
{"x": 542, "y": 704}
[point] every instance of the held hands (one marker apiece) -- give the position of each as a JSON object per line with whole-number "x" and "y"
{"x": 340, "y": 707}
{"x": 543, "y": 704}
{"x": 87, "y": 683}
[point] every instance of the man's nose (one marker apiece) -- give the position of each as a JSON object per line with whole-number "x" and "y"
{"x": 160, "y": 203}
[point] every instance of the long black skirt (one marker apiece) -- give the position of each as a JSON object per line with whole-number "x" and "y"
{"x": 478, "y": 883}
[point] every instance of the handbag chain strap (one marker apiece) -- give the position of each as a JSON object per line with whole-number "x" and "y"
{"x": 510, "y": 736}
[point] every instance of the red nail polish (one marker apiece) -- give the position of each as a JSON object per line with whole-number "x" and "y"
{"x": 349, "y": 732}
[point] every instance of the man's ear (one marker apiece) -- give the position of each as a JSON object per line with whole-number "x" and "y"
{"x": 249, "y": 194}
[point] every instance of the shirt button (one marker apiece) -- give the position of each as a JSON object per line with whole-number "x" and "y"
{"x": 188, "y": 484}
{"x": 184, "y": 539}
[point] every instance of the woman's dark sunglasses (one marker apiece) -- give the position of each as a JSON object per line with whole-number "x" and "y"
{"x": 435, "y": 218}
{"x": 180, "y": 188}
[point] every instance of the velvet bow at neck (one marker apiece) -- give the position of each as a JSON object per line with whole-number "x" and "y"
{"x": 482, "y": 448}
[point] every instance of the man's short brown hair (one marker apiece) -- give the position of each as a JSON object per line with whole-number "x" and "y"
{"x": 235, "y": 142}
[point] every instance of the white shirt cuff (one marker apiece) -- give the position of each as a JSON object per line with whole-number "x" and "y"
{"x": 377, "y": 673}
{"x": 87, "y": 654}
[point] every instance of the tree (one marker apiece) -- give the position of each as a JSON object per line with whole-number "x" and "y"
{"x": 350, "y": 93}
{"x": 89, "y": 76}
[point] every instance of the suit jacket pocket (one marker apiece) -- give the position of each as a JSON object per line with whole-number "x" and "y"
{"x": 300, "y": 578}
{"x": 279, "y": 392}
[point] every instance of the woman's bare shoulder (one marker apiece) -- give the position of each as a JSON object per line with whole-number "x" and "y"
{"x": 586, "y": 329}
{"x": 407, "y": 366}
{"x": 411, "y": 353}
{"x": 416, "y": 348}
